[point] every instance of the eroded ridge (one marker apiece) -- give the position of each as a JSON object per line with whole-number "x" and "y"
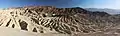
{"x": 51, "y": 20}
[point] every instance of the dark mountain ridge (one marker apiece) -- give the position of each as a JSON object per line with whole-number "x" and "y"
{"x": 110, "y": 11}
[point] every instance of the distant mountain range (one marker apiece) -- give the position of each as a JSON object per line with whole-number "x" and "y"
{"x": 110, "y": 11}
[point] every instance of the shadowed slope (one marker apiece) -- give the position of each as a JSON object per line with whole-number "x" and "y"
{"x": 48, "y": 19}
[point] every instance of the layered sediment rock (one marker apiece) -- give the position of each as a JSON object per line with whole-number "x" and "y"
{"x": 49, "y": 19}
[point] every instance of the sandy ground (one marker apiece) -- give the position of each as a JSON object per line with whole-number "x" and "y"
{"x": 15, "y": 32}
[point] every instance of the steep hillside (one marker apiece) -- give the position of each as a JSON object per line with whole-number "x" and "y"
{"x": 49, "y": 19}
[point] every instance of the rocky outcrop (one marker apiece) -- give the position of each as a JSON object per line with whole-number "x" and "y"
{"x": 48, "y": 19}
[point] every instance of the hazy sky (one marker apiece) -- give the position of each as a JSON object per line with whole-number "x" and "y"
{"x": 112, "y": 4}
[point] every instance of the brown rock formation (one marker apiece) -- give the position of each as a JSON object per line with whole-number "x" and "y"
{"x": 48, "y": 19}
